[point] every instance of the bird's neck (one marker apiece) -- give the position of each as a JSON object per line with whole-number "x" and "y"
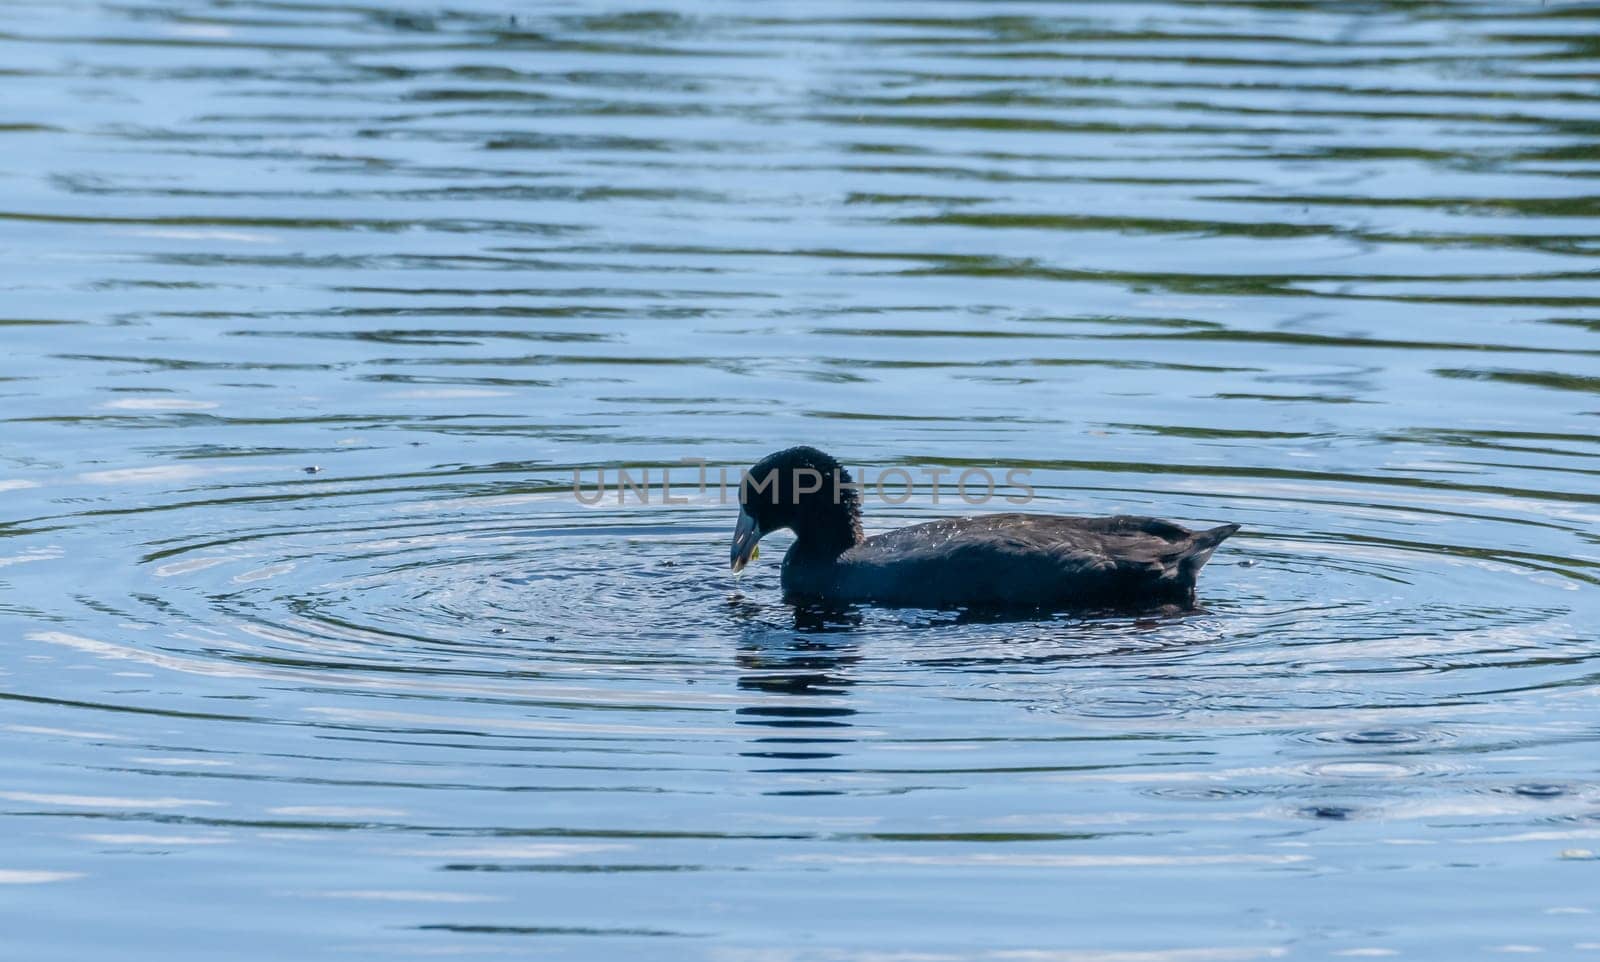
{"x": 828, "y": 536}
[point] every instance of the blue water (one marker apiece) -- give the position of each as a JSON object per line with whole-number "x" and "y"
{"x": 311, "y": 312}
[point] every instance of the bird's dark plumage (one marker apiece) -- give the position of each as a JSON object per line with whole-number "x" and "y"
{"x": 988, "y": 561}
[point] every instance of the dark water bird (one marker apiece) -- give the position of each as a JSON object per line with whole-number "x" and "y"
{"x": 986, "y": 561}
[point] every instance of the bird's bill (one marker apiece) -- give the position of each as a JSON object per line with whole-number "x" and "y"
{"x": 745, "y": 539}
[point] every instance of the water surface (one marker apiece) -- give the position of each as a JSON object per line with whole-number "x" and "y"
{"x": 311, "y": 311}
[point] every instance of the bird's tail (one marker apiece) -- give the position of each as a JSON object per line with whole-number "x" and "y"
{"x": 1201, "y": 547}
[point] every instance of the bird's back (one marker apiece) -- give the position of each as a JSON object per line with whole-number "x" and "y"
{"x": 1012, "y": 560}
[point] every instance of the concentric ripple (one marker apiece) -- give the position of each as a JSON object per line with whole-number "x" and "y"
{"x": 536, "y": 598}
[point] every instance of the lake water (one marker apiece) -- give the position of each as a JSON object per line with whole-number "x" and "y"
{"x": 311, "y": 311}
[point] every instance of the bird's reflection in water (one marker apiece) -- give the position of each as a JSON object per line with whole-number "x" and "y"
{"x": 799, "y": 677}
{"x": 798, "y": 667}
